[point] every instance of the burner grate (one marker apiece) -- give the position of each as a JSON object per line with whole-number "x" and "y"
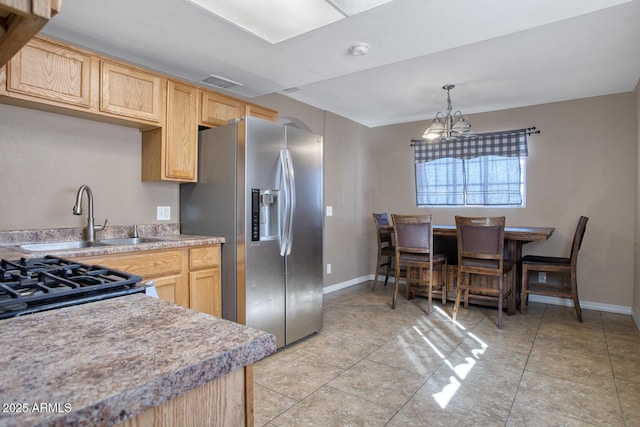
{"x": 30, "y": 285}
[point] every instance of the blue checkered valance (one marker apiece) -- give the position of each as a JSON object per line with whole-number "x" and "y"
{"x": 512, "y": 143}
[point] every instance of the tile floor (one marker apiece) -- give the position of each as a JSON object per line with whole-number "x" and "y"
{"x": 373, "y": 366}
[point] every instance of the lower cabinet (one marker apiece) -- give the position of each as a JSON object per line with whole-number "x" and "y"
{"x": 186, "y": 276}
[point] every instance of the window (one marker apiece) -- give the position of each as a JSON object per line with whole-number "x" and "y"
{"x": 483, "y": 170}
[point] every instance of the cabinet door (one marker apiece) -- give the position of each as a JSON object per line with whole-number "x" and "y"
{"x": 51, "y": 72}
{"x": 181, "y": 132}
{"x": 130, "y": 93}
{"x": 168, "y": 288}
{"x": 217, "y": 110}
{"x": 261, "y": 112}
{"x": 205, "y": 292}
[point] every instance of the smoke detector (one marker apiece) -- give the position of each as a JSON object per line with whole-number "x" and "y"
{"x": 359, "y": 49}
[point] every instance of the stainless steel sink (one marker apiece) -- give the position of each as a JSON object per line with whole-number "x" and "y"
{"x": 59, "y": 246}
{"x": 130, "y": 240}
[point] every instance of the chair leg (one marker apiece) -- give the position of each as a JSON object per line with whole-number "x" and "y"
{"x": 408, "y": 290}
{"x": 523, "y": 291}
{"x": 375, "y": 279}
{"x": 467, "y": 278}
{"x": 456, "y": 306}
{"x": 443, "y": 274}
{"x": 395, "y": 288}
{"x": 430, "y": 289}
{"x": 500, "y": 293}
{"x": 386, "y": 275}
{"x": 576, "y": 301}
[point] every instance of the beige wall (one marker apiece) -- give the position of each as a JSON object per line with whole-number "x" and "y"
{"x": 636, "y": 292}
{"x": 577, "y": 166}
{"x": 45, "y": 157}
{"x": 347, "y": 186}
{"x": 583, "y": 163}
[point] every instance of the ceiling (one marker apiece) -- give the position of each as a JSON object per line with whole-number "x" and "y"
{"x": 499, "y": 53}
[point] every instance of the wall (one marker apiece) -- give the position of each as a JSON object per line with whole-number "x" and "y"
{"x": 636, "y": 282}
{"x": 583, "y": 163}
{"x": 347, "y": 187}
{"x": 46, "y": 157}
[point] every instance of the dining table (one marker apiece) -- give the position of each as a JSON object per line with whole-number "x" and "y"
{"x": 515, "y": 237}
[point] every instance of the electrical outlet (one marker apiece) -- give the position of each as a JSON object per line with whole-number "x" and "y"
{"x": 164, "y": 213}
{"x": 542, "y": 277}
{"x": 328, "y": 268}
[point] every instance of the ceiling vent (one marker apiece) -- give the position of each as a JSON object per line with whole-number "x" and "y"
{"x": 291, "y": 90}
{"x": 219, "y": 82}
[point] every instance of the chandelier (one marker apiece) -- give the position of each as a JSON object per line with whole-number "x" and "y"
{"x": 446, "y": 126}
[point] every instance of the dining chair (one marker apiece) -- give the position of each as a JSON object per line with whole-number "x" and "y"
{"x": 481, "y": 252}
{"x": 565, "y": 268}
{"x": 414, "y": 250}
{"x": 385, "y": 246}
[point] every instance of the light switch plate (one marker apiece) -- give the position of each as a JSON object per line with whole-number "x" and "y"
{"x": 164, "y": 213}
{"x": 329, "y": 210}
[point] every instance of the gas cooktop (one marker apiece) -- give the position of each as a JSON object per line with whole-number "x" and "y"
{"x": 32, "y": 285}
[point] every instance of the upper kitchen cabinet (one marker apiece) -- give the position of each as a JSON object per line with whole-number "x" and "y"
{"x": 217, "y": 110}
{"x": 52, "y": 73}
{"x": 129, "y": 92}
{"x": 261, "y": 112}
{"x": 20, "y": 20}
{"x": 171, "y": 151}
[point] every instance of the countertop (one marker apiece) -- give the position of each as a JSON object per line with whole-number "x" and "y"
{"x": 11, "y": 250}
{"x": 103, "y": 362}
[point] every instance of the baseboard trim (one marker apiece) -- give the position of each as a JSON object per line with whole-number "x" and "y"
{"x": 348, "y": 283}
{"x": 589, "y": 305}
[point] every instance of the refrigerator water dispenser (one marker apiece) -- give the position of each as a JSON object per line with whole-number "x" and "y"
{"x": 264, "y": 215}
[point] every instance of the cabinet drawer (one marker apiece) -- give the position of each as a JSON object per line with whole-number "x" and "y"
{"x": 129, "y": 92}
{"x": 148, "y": 264}
{"x": 51, "y": 72}
{"x": 204, "y": 257}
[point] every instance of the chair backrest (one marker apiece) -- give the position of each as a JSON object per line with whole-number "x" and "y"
{"x": 384, "y": 234}
{"x": 480, "y": 243}
{"x": 413, "y": 233}
{"x": 577, "y": 240}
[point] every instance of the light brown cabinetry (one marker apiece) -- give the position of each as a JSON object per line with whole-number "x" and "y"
{"x": 204, "y": 280}
{"x": 55, "y": 77}
{"x": 217, "y": 110}
{"x": 254, "y": 110}
{"x": 170, "y": 152}
{"x": 129, "y": 92}
{"x": 51, "y": 72}
{"x": 20, "y": 20}
{"x": 186, "y": 276}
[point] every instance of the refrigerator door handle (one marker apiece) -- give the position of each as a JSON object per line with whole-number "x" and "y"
{"x": 283, "y": 177}
{"x": 292, "y": 200}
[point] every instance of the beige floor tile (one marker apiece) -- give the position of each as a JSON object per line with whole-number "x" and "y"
{"x": 571, "y": 344}
{"x": 474, "y": 387}
{"x": 268, "y": 404}
{"x": 331, "y": 407}
{"x": 575, "y": 401}
{"x": 594, "y": 370}
{"x": 524, "y": 416}
{"x": 294, "y": 376}
{"x": 424, "y": 410}
{"x": 381, "y": 384}
{"x": 368, "y": 361}
{"x": 629, "y": 394}
{"x": 352, "y": 349}
{"x": 474, "y": 350}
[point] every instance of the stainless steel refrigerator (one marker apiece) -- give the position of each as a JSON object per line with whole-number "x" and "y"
{"x": 260, "y": 187}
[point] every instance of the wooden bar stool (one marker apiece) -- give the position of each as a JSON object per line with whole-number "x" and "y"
{"x": 385, "y": 247}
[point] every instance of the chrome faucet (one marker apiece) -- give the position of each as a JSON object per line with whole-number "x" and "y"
{"x": 77, "y": 210}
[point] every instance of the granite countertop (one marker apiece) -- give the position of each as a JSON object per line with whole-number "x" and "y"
{"x": 170, "y": 236}
{"x": 103, "y": 362}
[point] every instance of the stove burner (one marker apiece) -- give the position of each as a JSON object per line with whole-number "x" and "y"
{"x": 30, "y": 285}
